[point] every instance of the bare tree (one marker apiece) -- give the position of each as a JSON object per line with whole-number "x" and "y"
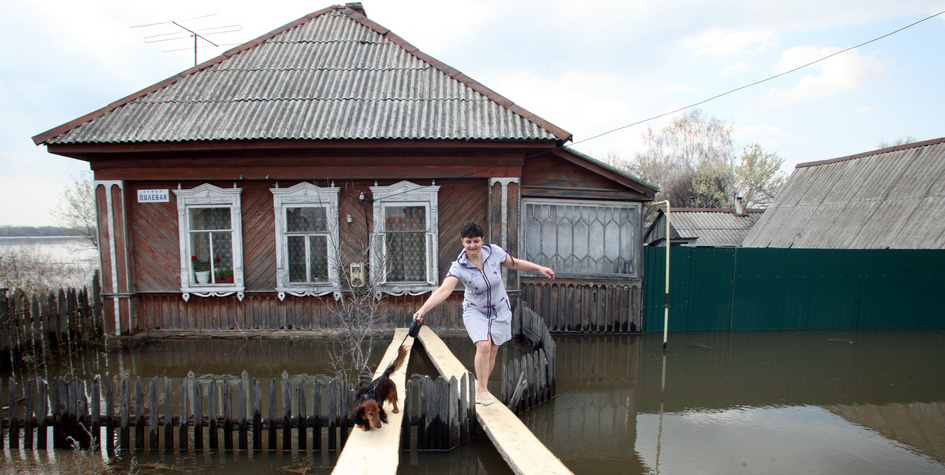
{"x": 76, "y": 210}
{"x": 759, "y": 176}
{"x": 357, "y": 314}
{"x": 691, "y": 160}
{"x": 899, "y": 141}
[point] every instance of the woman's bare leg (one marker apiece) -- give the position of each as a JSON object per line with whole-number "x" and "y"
{"x": 484, "y": 362}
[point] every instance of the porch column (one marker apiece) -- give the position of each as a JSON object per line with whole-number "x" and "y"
{"x": 505, "y": 222}
{"x": 113, "y": 251}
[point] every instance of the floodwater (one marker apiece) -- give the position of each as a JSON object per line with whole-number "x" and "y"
{"x": 60, "y": 261}
{"x": 839, "y": 402}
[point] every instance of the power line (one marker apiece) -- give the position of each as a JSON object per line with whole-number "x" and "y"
{"x": 769, "y": 78}
{"x": 695, "y": 104}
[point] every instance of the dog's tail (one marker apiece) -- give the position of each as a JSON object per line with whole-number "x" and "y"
{"x": 401, "y": 355}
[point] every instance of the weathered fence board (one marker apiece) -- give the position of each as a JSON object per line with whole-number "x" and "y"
{"x": 32, "y": 328}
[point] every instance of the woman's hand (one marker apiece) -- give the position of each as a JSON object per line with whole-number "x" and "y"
{"x": 547, "y": 272}
{"x": 418, "y": 315}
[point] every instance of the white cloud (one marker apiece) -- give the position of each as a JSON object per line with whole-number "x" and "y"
{"x": 719, "y": 41}
{"x": 863, "y": 110}
{"x": 736, "y": 68}
{"x": 844, "y": 72}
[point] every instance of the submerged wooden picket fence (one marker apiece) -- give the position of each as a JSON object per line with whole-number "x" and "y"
{"x": 110, "y": 414}
{"x": 38, "y": 326}
{"x": 530, "y": 380}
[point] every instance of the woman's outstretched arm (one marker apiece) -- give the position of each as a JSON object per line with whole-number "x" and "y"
{"x": 523, "y": 265}
{"x": 437, "y": 297}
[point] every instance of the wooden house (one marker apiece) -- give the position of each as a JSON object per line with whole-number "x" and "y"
{"x": 255, "y": 190}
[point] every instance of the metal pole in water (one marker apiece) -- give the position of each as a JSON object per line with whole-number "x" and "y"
{"x": 666, "y": 295}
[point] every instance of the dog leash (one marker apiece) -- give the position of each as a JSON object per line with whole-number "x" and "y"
{"x": 413, "y": 331}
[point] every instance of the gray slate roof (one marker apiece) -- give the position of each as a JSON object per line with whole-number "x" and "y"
{"x": 721, "y": 227}
{"x": 890, "y": 198}
{"x": 333, "y": 74}
{"x": 709, "y": 227}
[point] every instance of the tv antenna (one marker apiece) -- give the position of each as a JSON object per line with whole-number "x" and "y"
{"x": 180, "y": 32}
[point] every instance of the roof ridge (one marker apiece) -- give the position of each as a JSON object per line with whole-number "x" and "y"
{"x": 352, "y": 14}
{"x": 894, "y": 148}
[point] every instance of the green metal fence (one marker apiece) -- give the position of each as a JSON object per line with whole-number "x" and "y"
{"x": 748, "y": 288}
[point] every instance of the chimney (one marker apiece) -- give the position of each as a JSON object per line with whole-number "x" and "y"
{"x": 739, "y": 208}
{"x": 356, "y": 6}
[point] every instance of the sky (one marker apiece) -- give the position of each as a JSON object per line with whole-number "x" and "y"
{"x": 587, "y": 67}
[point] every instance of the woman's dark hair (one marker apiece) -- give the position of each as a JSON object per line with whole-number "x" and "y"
{"x": 471, "y": 229}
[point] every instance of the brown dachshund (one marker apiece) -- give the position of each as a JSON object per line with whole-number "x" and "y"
{"x": 369, "y": 409}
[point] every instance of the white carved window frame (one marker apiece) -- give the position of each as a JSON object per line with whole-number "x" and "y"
{"x": 209, "y": 196}
{"x": 306, "y": 195}
{"x": 405, "y": 193}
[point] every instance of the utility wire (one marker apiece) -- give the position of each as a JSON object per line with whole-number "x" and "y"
{"x": 769, "y": 78}
{"x": 699, "y": 103}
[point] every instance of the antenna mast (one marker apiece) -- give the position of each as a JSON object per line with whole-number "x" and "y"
{"x": 188, "y": 33}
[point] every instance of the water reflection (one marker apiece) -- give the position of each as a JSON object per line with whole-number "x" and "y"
{"x": 749, "y": 402}
{"x": 742, "y": 402}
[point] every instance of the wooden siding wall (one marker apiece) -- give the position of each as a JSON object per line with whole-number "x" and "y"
{"x": 264, "y": 311}
{"x": 578, "y": 306}
{"x": 156, "y": 260}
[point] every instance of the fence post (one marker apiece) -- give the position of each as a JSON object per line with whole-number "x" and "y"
{"x": 97, "y": 412}
{"x": 139, "y": 414}
{"x": 407, "y": 408}
{"x": 286, "y": 413}
{"x": 168, "y": 416}
{"x": 182, "y": 439}
{"x": 303, "y": 420}
{"x": 6, "y": 328}
{"x": 212, "y": 421}
{"x": 154, "y": 413}
{"x": 227, "y": 416}
{"x": 453, "y": 420}
{"x": 42, "y": 411}
{"x": 28, "y": 391}
{"x": 272, "y": 415}
{"x": 317, "y": 422}
{"x": 97, "y": 309}
{"x": 332, "y": 414}
{"x": 198, "y": 413}
{"x": 257, "y": 416}
{"x": 110, "y": 414}
{"x": 242, "y": 407}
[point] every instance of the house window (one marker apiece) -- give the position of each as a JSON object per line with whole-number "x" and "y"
{"x": 579, "y": 237}
{"x": 405, "y": 238}
{"x": 209, "y": 222}
{"x": 306, "y": 221}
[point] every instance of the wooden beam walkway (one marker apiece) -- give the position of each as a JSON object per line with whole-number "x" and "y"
{"x": 377, "y": 452}
{"x": 524, "y": 453}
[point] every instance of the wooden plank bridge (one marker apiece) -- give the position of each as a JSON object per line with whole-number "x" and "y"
{"x": 524, "y": 453}
{"x": 377, "y": 451}
{"x": 370, "y": 451}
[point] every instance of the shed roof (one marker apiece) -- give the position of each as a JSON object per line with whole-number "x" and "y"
{"x": 705, "y": 226}
{"x": 889, "y": 198}
{"x": 333, "y": 74}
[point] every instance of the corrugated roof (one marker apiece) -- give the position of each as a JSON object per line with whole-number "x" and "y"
{"x": 713, "y": 227}
{"x": 333, "y": 74}
{"x": 890, "y": 198}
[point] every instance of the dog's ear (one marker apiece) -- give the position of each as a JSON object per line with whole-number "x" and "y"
{"x": 358, "y": 416}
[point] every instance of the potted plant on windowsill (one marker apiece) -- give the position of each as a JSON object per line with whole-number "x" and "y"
{"x": 224, "y": 276}
{"x": 201, "y": 270}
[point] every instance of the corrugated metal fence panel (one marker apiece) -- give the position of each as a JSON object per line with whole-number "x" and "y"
{"x": 757, "y": 288}
{"x": 711, "y": 285}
